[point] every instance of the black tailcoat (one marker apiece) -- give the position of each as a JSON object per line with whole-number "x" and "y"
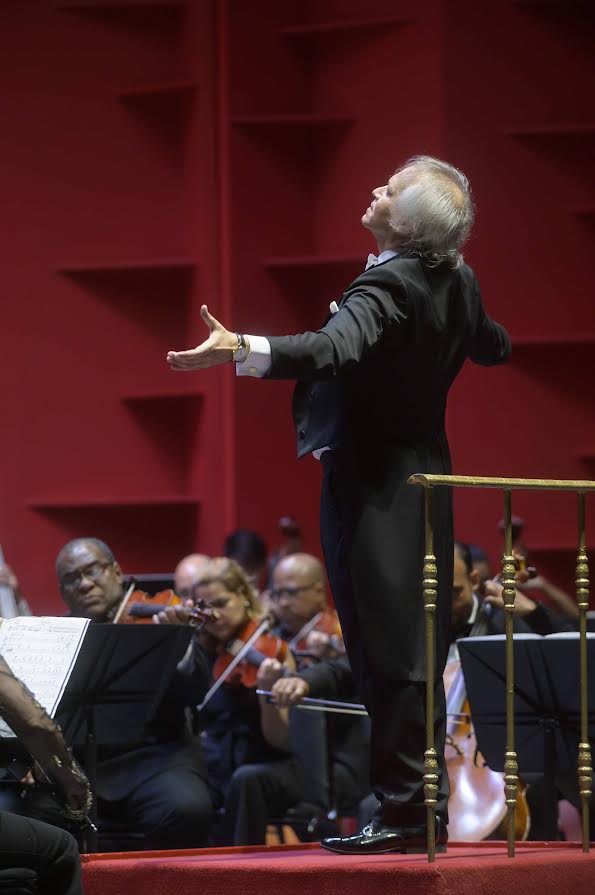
{"x": 372, "y": 385}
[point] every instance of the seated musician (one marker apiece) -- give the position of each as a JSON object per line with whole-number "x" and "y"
{"x": 48, "y": 850}
{"x": 305, "y": 620}
{"x": 245, "y": 738}
{"x": 187, "y": 573}
{"x": 160, "y": 787}
{"x": 313, "y": 633}
{"x": 529, "y": 615}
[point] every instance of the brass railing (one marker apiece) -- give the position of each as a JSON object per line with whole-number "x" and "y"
{"x": 430, "y": 593}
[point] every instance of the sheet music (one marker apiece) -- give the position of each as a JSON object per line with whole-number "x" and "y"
{"x": 41, "y": 652}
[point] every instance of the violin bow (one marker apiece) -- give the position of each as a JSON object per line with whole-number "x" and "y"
{"x": 304, "y": 631}
{"x": 124, "y": 603}
{"x": 263, "y": 626}
{"x": 341, "y": 708}
{"x": 322, "y": 705}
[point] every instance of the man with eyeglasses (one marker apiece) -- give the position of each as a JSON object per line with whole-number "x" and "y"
{"x": 160, "y": 785}
{"x": 299, "y": 599}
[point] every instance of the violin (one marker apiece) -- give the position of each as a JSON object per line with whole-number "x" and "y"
{"x": 325, "y": 622}
{"x": 264, "y": 646}
{"x": 239, "y": 660}
{"x": 138, "y": 607}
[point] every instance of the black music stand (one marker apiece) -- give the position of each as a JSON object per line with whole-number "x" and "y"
{"x": 547, "y": 704}
{"x": 119, "y": 679}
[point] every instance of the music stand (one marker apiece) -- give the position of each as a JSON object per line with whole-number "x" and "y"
{"x": 547, "y": 704}
{"x": 120, "y": 677}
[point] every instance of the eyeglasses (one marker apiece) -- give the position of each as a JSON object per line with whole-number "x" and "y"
{"x": 290, "y": 592}
{"x": 94, "y": 571}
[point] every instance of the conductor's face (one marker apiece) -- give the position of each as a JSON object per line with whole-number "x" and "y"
{"x": 89, "y": 582}
{"x": 377, "y": 216}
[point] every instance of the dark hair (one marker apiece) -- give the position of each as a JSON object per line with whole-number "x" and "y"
{"x": 247, "y": 548}
{"x": 101, "y": 546}
{"x": 465, "y": 554}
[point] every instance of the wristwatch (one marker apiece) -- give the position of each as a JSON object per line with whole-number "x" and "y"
{"x": 241, "y": 352}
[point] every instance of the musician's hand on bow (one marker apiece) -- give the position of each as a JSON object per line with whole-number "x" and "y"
{"x": 175, "y": 615}
{"x": 270, "y": 670}
{"x": 217, "y": 349}
{"x": 289, "y": 691}
{"x": 522, "y": 604}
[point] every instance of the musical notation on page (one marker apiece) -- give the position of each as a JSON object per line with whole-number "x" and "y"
{"x": 41, "y": 652}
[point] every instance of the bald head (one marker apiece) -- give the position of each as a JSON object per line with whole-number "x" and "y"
{"x": 188, "y": 571}
{"x": 298, "y": 590}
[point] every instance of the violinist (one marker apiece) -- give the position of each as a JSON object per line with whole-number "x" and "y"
{"x": 304, "y": 618}
{"x": 529, "y": 615}
{"x": 160, "y": 786}
{"x": 187, "y": 573}
{"x": 246, "y": 739}
{"x": 313, "y": 633}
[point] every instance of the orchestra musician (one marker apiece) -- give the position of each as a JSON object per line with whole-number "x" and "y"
{"x": 25, "y": 842}
{"x": 311, "y": 628}
{"x": 370, "y": 404}
{"x": 245, "y": 738}
{"x": 159, "y": 786}
{"x": 187, "y": 573}
{"x": 304, "y": 618}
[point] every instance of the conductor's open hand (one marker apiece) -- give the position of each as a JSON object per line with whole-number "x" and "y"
{"x": 289, "y": 691}
{"x": 215, "y": 350}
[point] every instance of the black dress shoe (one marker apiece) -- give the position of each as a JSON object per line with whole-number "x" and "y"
{"x": 376, "y": 839}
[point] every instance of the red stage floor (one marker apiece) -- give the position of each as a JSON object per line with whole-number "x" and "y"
{"x": 482, "y": 869}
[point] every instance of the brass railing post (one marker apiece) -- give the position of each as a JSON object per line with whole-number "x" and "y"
{"x": 511, "y": 767}
{"x": 430, "y": 591}
{"x": 585, "y": 772}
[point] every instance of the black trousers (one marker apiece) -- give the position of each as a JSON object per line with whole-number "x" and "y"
{"x": 257, "y": 792}
{"x": 48, "y": 850}
{"x": 173, "y": 809}
{"x": 396, "y": 705}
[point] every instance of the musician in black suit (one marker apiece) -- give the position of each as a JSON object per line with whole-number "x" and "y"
{"x": 159, "y": 786}
{"x": 370, "y": 403}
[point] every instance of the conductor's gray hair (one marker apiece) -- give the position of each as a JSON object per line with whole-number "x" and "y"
{"x": 433, "y": 214}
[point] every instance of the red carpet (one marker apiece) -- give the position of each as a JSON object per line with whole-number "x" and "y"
{"x": 482, "y": 869}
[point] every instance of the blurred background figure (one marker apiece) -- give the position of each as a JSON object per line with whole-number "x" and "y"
{"x": 249, "y": 550}
{"x": 187, "y": 573}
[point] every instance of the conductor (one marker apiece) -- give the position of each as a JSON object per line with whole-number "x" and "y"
{"x": 370, "y": 401}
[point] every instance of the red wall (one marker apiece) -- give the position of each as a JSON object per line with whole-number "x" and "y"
{"x": 157, "y": 155}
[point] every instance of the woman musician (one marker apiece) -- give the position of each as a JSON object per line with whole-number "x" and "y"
{"x": 245, "y": 739}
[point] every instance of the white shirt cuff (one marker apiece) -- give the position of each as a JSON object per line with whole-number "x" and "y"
{"x": 258, "y": 362}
